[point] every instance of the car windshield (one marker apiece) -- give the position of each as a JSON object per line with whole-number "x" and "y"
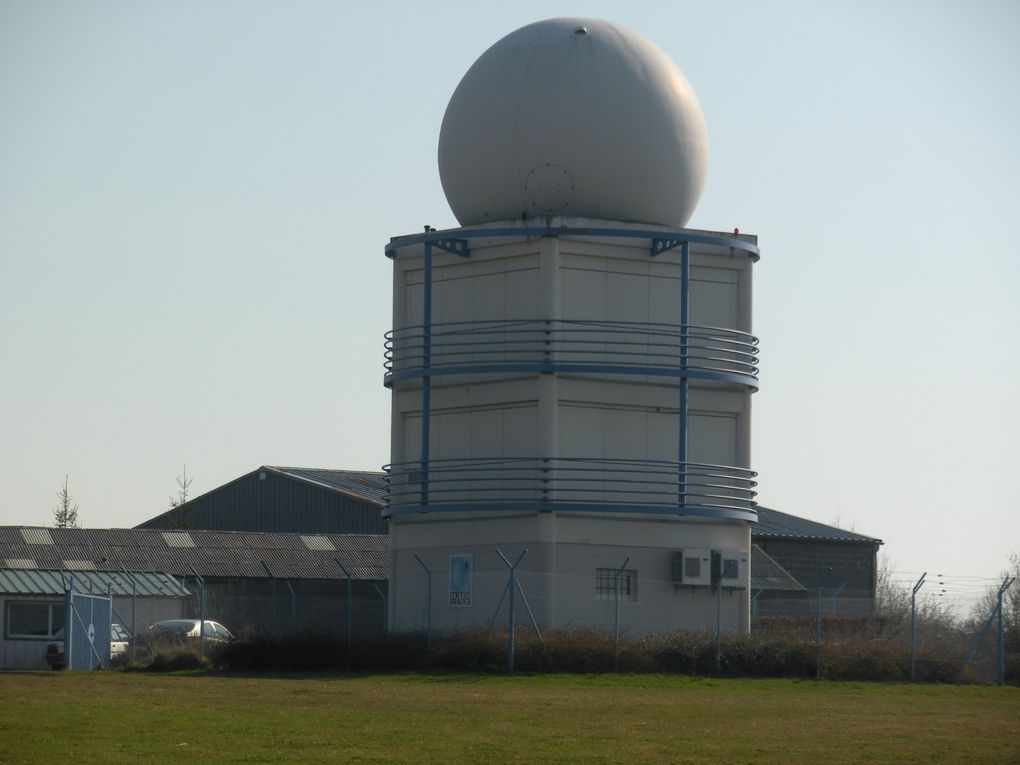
{"x": 182, "y": 627}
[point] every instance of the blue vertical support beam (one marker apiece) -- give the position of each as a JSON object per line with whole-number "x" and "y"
{"x": 685, "y": 320}
{"x": 426, "y": 380}
{"x": 616, "y": 615}
{"x": 913, "y": 620}
{"x": 428, "y": 614}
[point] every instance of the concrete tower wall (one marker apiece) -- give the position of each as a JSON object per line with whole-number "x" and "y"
{"x": 554, "y": 423}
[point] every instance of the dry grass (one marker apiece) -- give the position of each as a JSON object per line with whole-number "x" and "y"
{"x": 118, "y": 717}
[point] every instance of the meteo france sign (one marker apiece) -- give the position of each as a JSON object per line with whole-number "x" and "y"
{"x": 461, "y": 572}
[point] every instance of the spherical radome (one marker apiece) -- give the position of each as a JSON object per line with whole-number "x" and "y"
{"x": 574, "y": 117}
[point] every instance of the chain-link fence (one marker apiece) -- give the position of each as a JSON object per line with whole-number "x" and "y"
{"x": 841, "y": 633}
{"x": 284, "y": 606}
{"x": 622, "y": 603}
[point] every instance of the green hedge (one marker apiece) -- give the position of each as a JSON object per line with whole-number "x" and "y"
{"x": 847, "y": 657}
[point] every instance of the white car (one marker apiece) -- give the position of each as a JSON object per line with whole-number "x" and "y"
{"x": 182, "y": 630}
{"x": 119, "y": 642}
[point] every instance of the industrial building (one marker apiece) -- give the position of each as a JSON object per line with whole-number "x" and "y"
{"x": 285, "y": 500}
{"x": 806, "y": 552}
{"x": 250, "y": 581}
{"x": 256, "y": 579}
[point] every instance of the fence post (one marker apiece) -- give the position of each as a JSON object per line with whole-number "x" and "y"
{"x": 996, "y": 611}
{"x": 134, "y": 608}
{"x": 754, "y": 601}
{"x": 350, "y": 606}
{"x": 818, "y": 626}
{"x": 428, "y": 615}
{"x": 616, "y": 615}
{"x": 913, "y": 617}
{"x": 68, "y": 620}
{"x": 835, "y": 594}
{"x": 382, "y": 595}
{"x": 272, "y": 596}
{"x": 510, "y": 617}
{"x": 293, "y": 605}
{"x": 718, "y": 626}
{"x": 1002, "y": 662}
{"x": 201, "y": 612}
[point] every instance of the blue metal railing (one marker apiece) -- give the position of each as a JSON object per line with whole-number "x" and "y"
{"x": 571, "y": 484}
{"x": 458, "y": 240}
{"x": 543, "y": 345}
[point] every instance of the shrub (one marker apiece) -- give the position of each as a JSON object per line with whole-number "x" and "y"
{"x": 171, "y": 660}
{"x": 846, "y": 656}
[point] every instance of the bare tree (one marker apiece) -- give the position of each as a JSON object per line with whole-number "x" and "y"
{"x": 1010, "y": 604}
{"x": 65, "y": 514}
{"x": 179, "y": 502}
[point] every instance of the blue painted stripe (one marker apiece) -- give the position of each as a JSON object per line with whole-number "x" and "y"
{"x": 526, "y": 232}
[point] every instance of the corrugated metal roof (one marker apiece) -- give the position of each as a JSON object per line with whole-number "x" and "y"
{"x": 35, "y": 536}
{"x": 766, "y": 574}
{"x": 364, "y": 484}
{"x": 215, "y": 553}
{"x": 51, "y": 582}
{"x": 773, "y": 524}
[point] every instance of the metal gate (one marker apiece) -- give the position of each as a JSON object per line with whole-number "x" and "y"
{"x": 87, "y": 624}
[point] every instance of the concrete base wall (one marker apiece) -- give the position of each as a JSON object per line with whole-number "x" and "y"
{"x": 559, "y": 574}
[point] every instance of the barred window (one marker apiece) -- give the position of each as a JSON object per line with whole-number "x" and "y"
{"x": 605, "y": 584}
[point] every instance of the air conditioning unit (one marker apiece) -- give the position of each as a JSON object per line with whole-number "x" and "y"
{"x": 729, "y": 568}
{"x": 692, "y": 567}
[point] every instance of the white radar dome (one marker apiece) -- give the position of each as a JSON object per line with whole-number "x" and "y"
{"x": 576, "y": 117}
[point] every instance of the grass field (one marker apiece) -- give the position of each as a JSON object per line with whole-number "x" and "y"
{"x": 114, "y": 717}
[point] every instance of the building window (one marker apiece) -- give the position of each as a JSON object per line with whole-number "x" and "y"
{"x": 33, "y": 620}
{"x": 605, "y": 584}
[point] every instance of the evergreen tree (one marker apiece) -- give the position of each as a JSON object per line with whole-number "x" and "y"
{"x": 65, "y": 514}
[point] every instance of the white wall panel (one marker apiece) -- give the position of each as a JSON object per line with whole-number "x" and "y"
{"x": 714, "y": 304}
{"x": 627, "y": 297}
{"x": 582, "y": 432}
{"x": 487, "y": 433}
{"x": 712, "y": 439}
{"x": 664, "y": 301}
{"x": 583, "y": 294}
{"x": 522, "y": 294}
{"x": 624, "y": 435}
{"x": 520, "y": 431}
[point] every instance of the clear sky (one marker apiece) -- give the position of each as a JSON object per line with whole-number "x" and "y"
{"x": 194, "y": 198}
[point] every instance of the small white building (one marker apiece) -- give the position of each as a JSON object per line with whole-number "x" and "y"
{"x": 32, "y": 604}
